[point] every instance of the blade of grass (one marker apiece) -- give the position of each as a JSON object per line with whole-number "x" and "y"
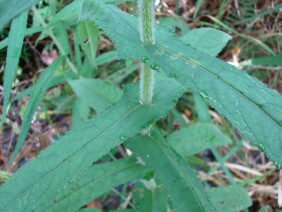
{"x": 12, "y": 9}
{"x": 259, "y": 15}
{"x": 36, "y": 96}
{"x": 15, "y": 43}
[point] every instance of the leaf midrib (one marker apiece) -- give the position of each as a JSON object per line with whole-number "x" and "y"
{"x": 132, "y": 164}
{"x": 179, "y": 171}
{"x": 200, "y": 67}
{"x": 73, "y": 155}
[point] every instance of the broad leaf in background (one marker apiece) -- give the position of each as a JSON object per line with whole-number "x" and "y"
{"x": 251, "y": 107}
{"x": 88, "y": 35}
{"x": 96, "y": 180}
{"x": 175, "y": 22}
{"x": 80, "y": 112}
{"x": 202, "y": 109}
{"x": 16, "y": 36}
{"x": 179, "y": 179}
{"x": 12, "y": 8}
{"x": 230, "y": 199}
{"x": 40, "y": 179}
{"x": 39, "y": 89}
{"x": 96, "y": 93}
{"x": 207, "y": 40}
{"x": 196, "y": 138}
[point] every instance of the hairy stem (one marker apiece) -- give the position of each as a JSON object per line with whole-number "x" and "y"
{"x": 146, "y": 84}
{"x": 147, "y": 37}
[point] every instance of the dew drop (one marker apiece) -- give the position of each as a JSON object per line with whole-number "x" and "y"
{"x": 122, "y": 138}
{"x": 155, "y": 66}
{"x": 37, "y": 156}
{"x": 278, "y": 165}
{"x": 261, "y": 147}
{"x": 203, "y": 94}
{"x": 173, "y": 75}
{"x": 145, "y": 59}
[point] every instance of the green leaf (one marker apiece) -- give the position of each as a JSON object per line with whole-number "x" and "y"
{"x": 62, "y": 35}
{"x": 179, "y": 179}
{"x": 15, "y": 43}
{"x": 202, "y": 109}
{"x": 264, "y": 61}
{"x": 53, "y": 82}
{"x": 70, "y": 13}
{"x": 96, "y": 180}
{"x": 251, "y": 107}
{"x": 207, "y": 40}
{"x": 198, "y": 6}
{"x": 39, "y": 89}
{"x": 106, "y": 57}
{"x": 175, "y": 21}
{"x": 40, "y": 179}
{"x": 11, "y": 9}
{"x": 196, "y": 138}
{"x": 149, "y": 199}
{"x": 80, "y": 112}
{"x": 230, "y": 199}
{"x": 88, "y": 35}
{"x": 97, "y": 94}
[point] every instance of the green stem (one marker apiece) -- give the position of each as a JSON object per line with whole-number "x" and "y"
{"x": 147, "y": 37}
{"x": 146, "y": 84}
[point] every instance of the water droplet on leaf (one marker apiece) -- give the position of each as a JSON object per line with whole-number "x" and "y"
{"x": 173, "y": 75}
{"x": 203, "y": 94}
{"x": 122, "y": 138}
{"x": 261, "y": 147}
{"x": 155, "y": 66}
{"x": 145, "y": 59}
{"x": 278, "y": 165}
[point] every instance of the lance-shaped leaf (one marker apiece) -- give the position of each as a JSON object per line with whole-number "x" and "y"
{"x": 88, "y": 37}
{"x": 179, "y": 179}
{"x": 40, "y": 179}
{"x": 96, "y": 180}
{"x": 251, "y": 107}
{"x": 11, "y": 9}
{"x": 15, "y": 43}
{"x": 36, "y": 96}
